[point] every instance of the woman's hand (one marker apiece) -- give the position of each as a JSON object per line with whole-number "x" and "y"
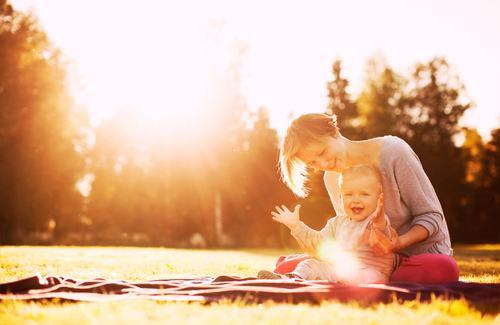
{"x": 287, "y": 217}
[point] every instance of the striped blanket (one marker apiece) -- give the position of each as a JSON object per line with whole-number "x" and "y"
{"x": 210, "y": 289}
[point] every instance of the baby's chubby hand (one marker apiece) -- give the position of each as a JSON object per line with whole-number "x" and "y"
{"x": 287, "y": 217}
{"x": 378, "y": 214}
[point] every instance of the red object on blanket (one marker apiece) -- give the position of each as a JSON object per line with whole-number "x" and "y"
{"x": 286, "y": 264}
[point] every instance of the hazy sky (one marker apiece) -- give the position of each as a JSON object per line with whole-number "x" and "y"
{"x": 116, "y": 45}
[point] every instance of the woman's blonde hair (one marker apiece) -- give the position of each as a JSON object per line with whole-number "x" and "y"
{"x": 303, "y": 131}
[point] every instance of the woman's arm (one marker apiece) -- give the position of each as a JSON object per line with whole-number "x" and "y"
{"x": 418, "y": 194}
{"x": 415, "y": 235}
{"x": 383, "y": 245}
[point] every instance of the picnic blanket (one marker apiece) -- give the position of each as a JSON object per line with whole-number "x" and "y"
{"x": 210, "y": 289}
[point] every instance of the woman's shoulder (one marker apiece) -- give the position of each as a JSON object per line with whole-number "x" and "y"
{"x": 393, "y": 140}
{"x": 396, "y": 147}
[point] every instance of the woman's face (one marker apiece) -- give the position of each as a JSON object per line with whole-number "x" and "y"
{"x": 326, "y": 155}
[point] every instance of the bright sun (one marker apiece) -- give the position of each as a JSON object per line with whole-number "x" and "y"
{"x": 157, "y": 56}
{"x": 160, "y": 75}
{"x": 156, "y": 61}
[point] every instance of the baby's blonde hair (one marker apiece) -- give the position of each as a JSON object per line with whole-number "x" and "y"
{"x": 303, "y": 131}
{"x": 361, "y": 171}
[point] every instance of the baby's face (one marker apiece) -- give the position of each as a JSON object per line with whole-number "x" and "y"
{"x": 359, "y": 196}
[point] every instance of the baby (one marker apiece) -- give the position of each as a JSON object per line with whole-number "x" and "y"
{"x": 362, "y": 200}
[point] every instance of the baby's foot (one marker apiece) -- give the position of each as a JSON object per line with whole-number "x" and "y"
{"x": 264, "y": 274}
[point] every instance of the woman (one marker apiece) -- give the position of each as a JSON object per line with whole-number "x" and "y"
{"x": 422, "y": 239}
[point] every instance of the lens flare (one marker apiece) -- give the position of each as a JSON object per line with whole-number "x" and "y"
{"x": 345, "y": 262}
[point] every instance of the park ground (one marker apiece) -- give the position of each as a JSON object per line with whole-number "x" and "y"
{"x": 478, "y": 263}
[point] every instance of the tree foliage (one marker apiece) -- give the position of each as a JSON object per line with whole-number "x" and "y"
{"x": 40, "y": 131}
{"x": 341, "y": 104}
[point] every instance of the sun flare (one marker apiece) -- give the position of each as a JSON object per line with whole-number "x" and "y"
{"x": 154, "y": 80}
{"x": 159, "y": 62}
{"x": 346, "y": 263}
{"x": 154, "y": 57}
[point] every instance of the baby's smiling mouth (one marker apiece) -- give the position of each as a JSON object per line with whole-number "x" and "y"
{"x": 357, "y": 210}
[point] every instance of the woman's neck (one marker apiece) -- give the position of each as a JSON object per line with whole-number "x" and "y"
{"x": 365, "y": 152}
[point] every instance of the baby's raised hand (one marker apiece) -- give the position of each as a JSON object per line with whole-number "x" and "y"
{"x": 287, "y": 217}
{"x": 378, "y": 214}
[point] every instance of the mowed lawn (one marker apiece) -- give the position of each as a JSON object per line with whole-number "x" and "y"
{"x": 478, "y": 263}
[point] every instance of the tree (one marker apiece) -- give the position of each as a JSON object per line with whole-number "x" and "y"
{"x": 341, "y": 104}
{"x": 41, "y": 132}
{"x": 250, "y": 224}
{"x": 481, "y": 201}
{"x": 120, "y": 199}
{"x": 433, "y": 105}
{"x": 188, "y": 169}
{"x": 435, "y": 102}
{"x": 380, "y": 102}
{"x": 490, "y": 182}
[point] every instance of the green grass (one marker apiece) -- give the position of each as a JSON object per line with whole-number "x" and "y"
{"x": 478, "y": 263}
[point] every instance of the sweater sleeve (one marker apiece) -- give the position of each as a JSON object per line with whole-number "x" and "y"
{"x": 417, "y": 191}
{"x": 331, "y": 180}
{"x": 309, "y": 239}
